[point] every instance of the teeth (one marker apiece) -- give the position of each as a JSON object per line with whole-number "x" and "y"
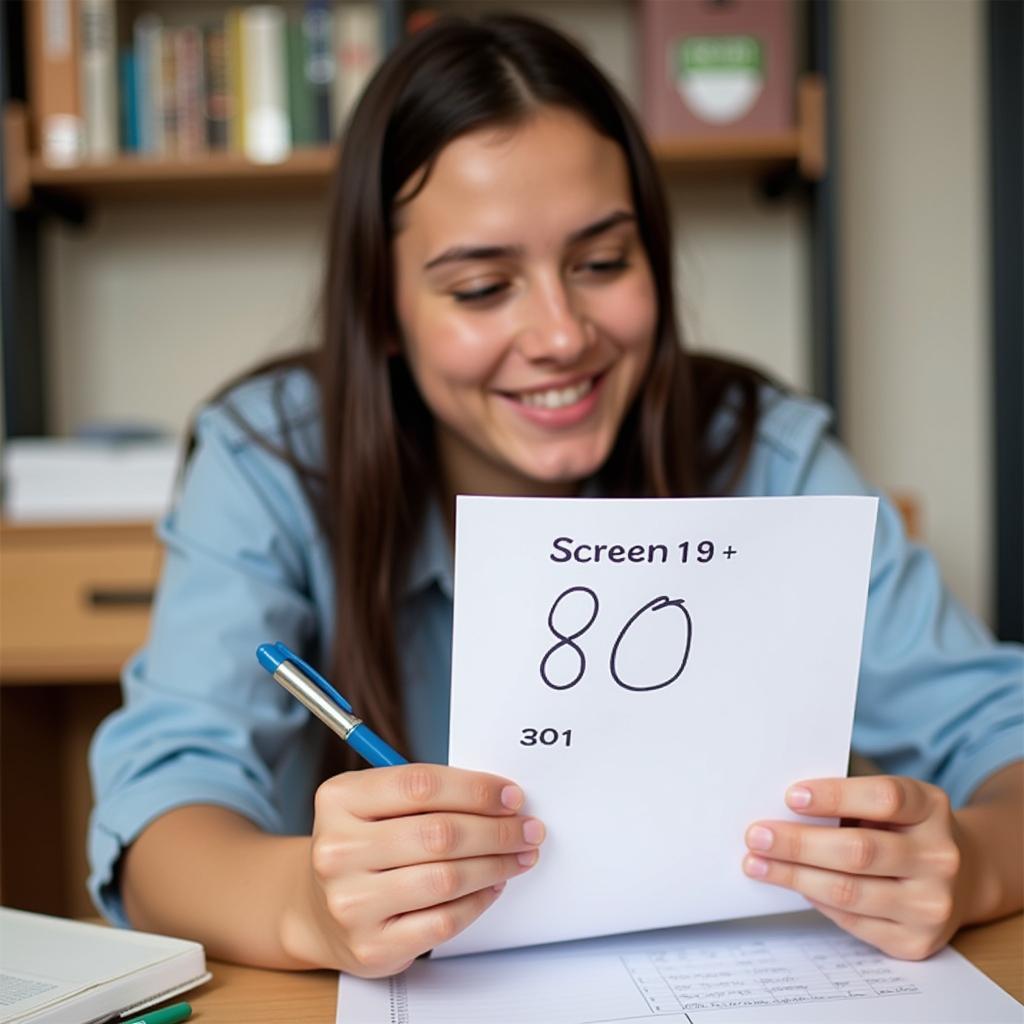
{"x": 557, "y": 398}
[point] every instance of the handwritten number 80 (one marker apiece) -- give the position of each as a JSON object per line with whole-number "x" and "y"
{"x": 625, "y": 678}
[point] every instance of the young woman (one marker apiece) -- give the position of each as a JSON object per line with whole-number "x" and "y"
{"x": 498, "y": 318}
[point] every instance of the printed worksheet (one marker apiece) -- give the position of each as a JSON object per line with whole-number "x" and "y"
{"x": 654, "y": 673}
{"x": 789, "y": 969}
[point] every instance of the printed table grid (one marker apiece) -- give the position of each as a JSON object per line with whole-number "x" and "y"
{"x": 756, "y": 974}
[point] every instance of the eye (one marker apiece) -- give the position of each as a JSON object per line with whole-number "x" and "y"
{"x": 480, "y": 294}
{"x": 606, "y": 267}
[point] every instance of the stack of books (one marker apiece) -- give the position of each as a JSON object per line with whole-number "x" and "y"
{"x": 257, "y": 80}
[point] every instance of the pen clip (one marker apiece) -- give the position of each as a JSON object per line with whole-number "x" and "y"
{"x": 313, "y": 676}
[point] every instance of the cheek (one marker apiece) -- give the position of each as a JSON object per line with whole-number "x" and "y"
{"x": 446, "y": 353}
{"x": 629, "y": 316}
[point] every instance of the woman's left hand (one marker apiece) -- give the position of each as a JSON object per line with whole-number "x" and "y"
{"x": 893, "y": 879}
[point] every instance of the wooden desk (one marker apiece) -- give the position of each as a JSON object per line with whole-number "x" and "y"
{"x": 283, "y": 997}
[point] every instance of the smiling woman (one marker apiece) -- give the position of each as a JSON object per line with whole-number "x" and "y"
{"x": 498, "y": 318}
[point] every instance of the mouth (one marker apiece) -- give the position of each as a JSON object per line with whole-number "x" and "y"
{"x": 565, "y": 405}
{"x": 555, "y": 397}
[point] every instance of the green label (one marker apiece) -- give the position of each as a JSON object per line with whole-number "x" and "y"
{"x": 718, "y": 53}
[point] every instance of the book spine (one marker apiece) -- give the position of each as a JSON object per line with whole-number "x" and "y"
{"x": 128, "y": 102}
{"x": 319, "y": 66}
{"x": 358, "y": 47}
{"x": 236, "y": 79}
{"x": 218, "y": 93}
{"x": 300, "y": 96}
{"x": 168, "y": 109}
{"x": 149, "y": 33}
{"x": 52, "y": 43}
{"x": 267, "y": 133}
{"x": 392, "y": 29}
{"x": 190, "y": 92}
{"x": 98, "y": 77}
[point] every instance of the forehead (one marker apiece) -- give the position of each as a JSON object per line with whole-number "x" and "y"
{"x": 546, "y": 176}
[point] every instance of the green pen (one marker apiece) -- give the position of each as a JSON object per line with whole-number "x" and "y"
{"x": 172, "y": 1014}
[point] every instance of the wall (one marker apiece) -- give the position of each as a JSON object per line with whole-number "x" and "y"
{"x": 914, "y": 259}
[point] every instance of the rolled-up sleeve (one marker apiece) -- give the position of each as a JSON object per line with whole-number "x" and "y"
{"x": 201, "y": 722}
{"x": 939, "y": 699}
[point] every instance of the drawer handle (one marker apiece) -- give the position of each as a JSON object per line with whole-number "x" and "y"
{"x": 120, "y": 597}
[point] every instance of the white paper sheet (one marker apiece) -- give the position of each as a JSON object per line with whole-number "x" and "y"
{"x": 676, "y": 683}
{"x": 794, "y": 968}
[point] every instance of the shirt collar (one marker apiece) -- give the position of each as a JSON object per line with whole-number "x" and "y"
{"x": 432, "y": 559}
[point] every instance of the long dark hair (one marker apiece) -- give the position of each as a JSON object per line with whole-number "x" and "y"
{"x": 380, "y": 470}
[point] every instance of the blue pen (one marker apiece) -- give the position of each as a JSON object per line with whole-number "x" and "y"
{"x": 310, "y": 688}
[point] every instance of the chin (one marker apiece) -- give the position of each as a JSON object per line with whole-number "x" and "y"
{"x": 568, "y": 469}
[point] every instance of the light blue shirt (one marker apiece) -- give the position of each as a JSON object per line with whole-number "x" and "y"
{"x": 202, "y": 722}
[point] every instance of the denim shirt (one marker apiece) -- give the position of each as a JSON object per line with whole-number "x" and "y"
{"x": 202, "y": 722}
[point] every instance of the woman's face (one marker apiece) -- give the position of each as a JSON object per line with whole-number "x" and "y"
{"x": 525, "y": 302}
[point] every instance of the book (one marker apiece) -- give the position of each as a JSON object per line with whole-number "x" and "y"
{"x": 56, "y": 116}
{"x": 98, "y": 78}
{"x": 129, "y": 112}
{"x": 147, "y": 34}
{"x": 319, "y": 68}
{"x": 190, "y": 91}
{"x": 300, "y": 88}
{"x": 235, "y": 75}
{"x": 267, "y": 134}
{"x": 56, "y": 971}
{"x": 219, "y": 100}
{"x": 167, "y": 112}
{"x": 358, "y": 45}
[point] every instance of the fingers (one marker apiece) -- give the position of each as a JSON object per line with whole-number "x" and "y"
{"x": 856, "y": 894}
{"x": 444, "y": 836}
{"x": 421, "y": 930}
{"x": 882, "y": 798}
{"x": 379, "y": 793}
{"x": 888, "y": 936}
{"x": 405, "y": 890}
{"x": 859, "y": 851}
{"x": 392, "y": 948}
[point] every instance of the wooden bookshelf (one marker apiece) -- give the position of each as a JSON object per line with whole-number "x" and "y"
{"x": 307, "y": 171}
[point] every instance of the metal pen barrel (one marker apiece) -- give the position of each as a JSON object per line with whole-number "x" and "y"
{"x": 311, "y": 696}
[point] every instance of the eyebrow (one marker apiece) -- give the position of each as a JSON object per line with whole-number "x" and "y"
{"x": 459, "y": 253}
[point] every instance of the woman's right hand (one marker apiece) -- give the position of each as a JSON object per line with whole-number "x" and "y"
{"x": 402, "y": 859}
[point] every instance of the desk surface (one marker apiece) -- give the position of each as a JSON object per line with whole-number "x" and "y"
{"x": 281, "y": 997}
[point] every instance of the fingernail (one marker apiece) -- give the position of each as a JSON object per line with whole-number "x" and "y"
{"x": 760, "y": 838}
{"x": 499, "y": 886}
{"x": 512, "y": 797}
{"x": 533, "y": 831}
{"x": 798, "y": 796}
{"x": 527, "y": 858}
{"x": 756, "y": 867}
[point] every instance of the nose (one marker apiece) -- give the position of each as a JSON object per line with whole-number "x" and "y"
{"x": 554, "y": 328}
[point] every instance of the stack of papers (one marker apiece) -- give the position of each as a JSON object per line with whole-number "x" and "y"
{"x": 54, "y": 479}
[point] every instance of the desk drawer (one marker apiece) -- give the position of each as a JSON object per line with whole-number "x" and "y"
{"x": 74, "y": 600}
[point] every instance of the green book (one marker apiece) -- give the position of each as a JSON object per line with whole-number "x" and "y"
{"x": 300, "y": 91}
